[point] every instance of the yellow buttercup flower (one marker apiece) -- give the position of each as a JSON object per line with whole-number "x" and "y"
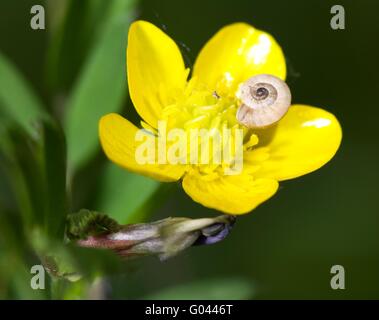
{"x": 302, "y": 141}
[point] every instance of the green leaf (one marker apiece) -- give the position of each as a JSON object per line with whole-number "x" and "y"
{"x": 215, "y": 289}
{"x": 101, "y": 87}
{"x": 17, "y": 100}
{"x": 75, "y": 27}
{"x": 15, "y": 260}
{"x": 123, "y": 194}
{"x": 54, "y": 168}
{"x": 22, "y": 160}
{"x": 36, "y": 169}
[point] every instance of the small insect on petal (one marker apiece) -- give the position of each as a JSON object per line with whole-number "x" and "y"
{"x": 265, "y": 99}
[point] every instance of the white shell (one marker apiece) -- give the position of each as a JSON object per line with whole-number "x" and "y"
{"x": 265, "y": 99}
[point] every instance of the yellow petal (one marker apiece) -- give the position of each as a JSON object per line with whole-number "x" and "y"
{"x": 236, "y": 53}
{"x": 237, "y": 194}
{"x": 303, "y": 141}
{"x": 117, "y": 137}
{"x": 155, "y": 70}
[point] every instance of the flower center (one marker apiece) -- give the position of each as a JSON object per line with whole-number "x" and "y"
{"x": 202, "y": 109}
{"x": 211, "y": 120}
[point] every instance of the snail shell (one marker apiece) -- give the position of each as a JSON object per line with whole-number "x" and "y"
{"x": 265, "y": 99}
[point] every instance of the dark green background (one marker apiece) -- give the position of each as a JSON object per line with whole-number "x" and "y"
{"x": 287, "y": 246}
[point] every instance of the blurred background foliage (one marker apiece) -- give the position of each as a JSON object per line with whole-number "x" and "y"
{"x": 56, "y": 83}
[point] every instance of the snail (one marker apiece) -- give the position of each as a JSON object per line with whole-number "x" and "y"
{"x": 265, "y": 99}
